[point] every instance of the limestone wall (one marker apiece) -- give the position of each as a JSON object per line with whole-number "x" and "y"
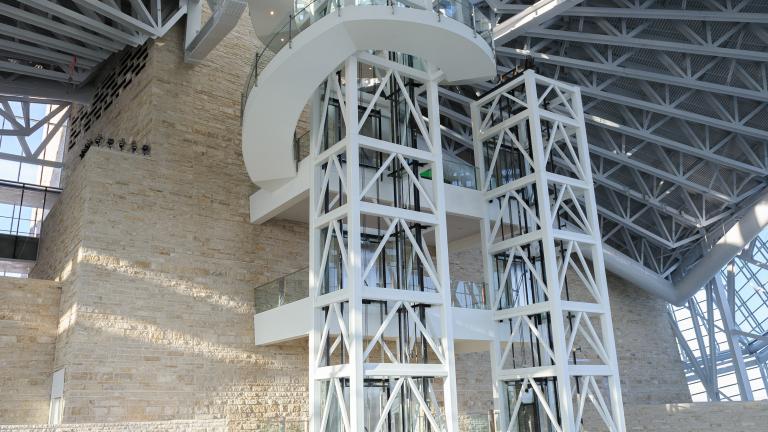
{"x": 161, "y": 273}
{"x": 164, "y": 296}
{"x": 695, "y": 417}
{"x": 649, "y": 364}
{"x": 28, "y": 319}
{"x": 167, "y": 426}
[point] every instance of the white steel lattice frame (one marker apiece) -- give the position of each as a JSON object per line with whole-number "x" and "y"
{"x": 721, "y": 331}
{"x": 63, "y": 42}
{"x": 18, "y": 123}
{"x": 345, "y": 321}
{"x": 547, "y": 103}
{"x": 51, "y": 49}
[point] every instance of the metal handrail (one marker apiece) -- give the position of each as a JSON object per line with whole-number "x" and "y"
{"x": 275, "y": 40}
{"x": 275, "y": 291}
{"x": 479, "y": 23}
{"x": 300, "y": 147}
{"x": 301, "y": 270}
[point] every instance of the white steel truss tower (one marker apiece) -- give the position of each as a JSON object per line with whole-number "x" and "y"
{"x": 554, "y": 360}
{"x": 381, "y": 345}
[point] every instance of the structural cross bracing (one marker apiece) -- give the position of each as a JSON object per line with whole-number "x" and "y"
{"x": 554, "y": 359}
{"x": 722, "y": 331}
{"x": 676, "y": 106}
{"x": 51, "y": 49}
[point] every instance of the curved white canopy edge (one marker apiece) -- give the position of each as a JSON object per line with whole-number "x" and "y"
{"x": 286, "y": 84}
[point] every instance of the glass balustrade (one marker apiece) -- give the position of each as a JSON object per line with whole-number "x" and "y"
{"x": 295, "y": 286}
{"x": 281, "y": 291}
{"x": 469, "y": 295}
{"x": 461, "y": 174}
{"x": 304, "y": 15}
{"x": 300, "y": 148}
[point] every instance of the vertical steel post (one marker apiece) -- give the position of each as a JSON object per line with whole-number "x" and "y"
{"x": 315, "y": 255}
{"x": 729, "y": 327}
{"x": 441, "y": 250}
{"x": 354, "y": 258}
{"x": 500, "y": 402}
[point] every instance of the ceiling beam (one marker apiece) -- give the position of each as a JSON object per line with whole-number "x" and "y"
{"x": 83, "y": 21}
{"x": 118, "y": 16}
{"x": 626, "y": 160}
{"x": 627, "y": 72}
{"x": 678, "y": 215}
{"x": 651, "y": 236}
{"x": 47, "y": 90}
{"x": 674, "y": 112}
{"x": 37, "y": 38}
{"x": 674, "y": 145}
{"x": 49, "y": 55}
{"x": 529, "y": 18}
{"x": 642, "y": 13}
{"x": 16, "y": 68}
{"x": 59, "y": 28}
{"x": 651, "y": 44}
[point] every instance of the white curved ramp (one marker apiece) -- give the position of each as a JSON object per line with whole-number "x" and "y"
{"x": 286, "y": 84}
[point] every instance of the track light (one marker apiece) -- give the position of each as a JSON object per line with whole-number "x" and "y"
{"x": 87, "y": 146}
{"x": 146, "y": 150}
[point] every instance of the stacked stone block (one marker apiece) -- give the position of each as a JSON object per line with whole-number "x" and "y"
{"x": 29, "y": 312}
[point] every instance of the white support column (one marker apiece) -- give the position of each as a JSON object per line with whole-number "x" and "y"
{"x": 363, "y": 363}
{"x": 315, "y": 253}
{"x": 728, "y": 317}
{"x": 606, "y": 321}
{"x": 354, "y": 251}
{"x": 441, "y": 250}
{"x": 549, "y": 254}
{"x": 500, "y": 400}
{"x": 555, "y": 352}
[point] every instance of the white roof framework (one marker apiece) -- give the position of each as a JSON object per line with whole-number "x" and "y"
{"x": 722, "y": 331}
{"x": 676, "y": 100}
{"x": 35, "y": 128}
{"x": 49, "y": 53}
{"x": 54, "y": 46}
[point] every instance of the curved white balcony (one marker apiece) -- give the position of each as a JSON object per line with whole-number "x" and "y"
{"x": 320, "y": 37}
